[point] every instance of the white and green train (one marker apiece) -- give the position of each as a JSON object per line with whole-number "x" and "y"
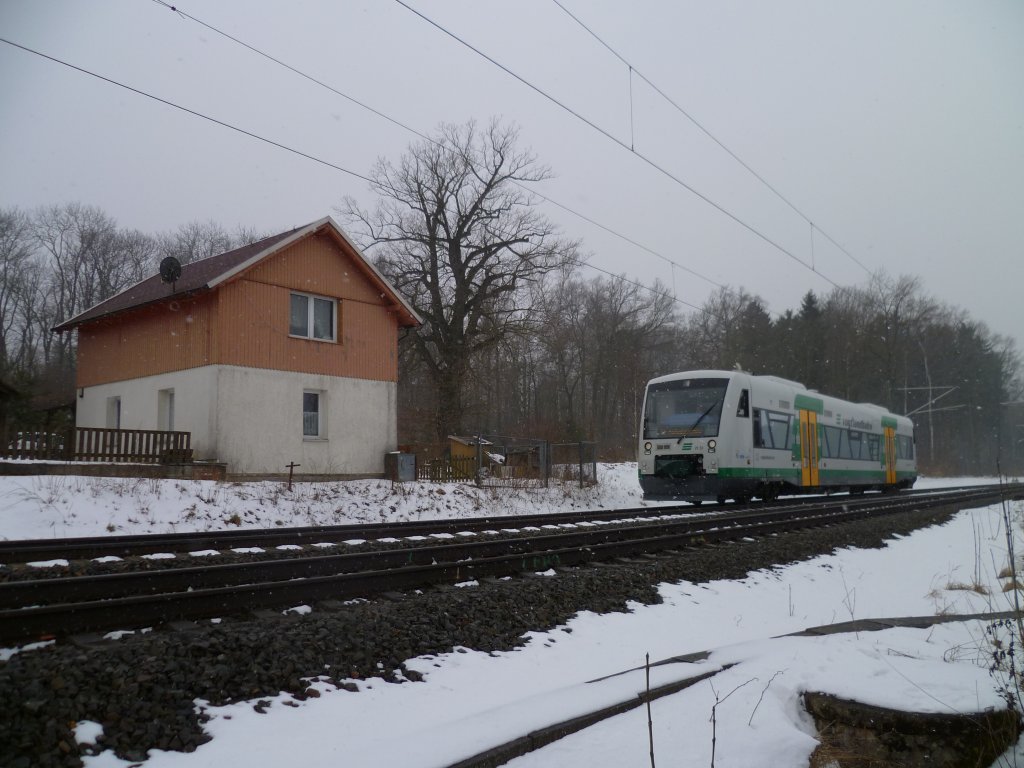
{"x": 717, "y": 435}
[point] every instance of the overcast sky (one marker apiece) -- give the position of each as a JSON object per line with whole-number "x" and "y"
{"x": 896, "y": 127}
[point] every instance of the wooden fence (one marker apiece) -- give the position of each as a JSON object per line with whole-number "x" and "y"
{"x": 447, "y": 470}
{"x": 516, "y": 462}
{"x": 146, "y": 446}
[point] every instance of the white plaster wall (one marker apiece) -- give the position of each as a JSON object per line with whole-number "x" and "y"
{"x": 194, "y": 403}
{"x": 259, "y": 422}
{"x": 252, "y": 418}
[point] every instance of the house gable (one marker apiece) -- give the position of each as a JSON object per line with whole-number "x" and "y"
{"x": 239, "y": 315}
{"x": 254, "y": 313}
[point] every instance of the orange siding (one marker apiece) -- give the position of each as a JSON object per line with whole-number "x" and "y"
{"x": 317, "y": 264}
{"x": 245, "y": 322}
{"x": 253, "y": 332}
{"x": 253, "y": 313}
{"x": 166, "y": 337}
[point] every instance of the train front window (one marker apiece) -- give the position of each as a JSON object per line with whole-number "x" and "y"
{"x": 684, "y": 408}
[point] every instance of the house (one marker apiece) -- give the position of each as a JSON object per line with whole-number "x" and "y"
{"x": 281, "y": 351}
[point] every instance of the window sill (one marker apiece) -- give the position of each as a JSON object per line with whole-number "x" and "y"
{"x": 311, "y": 338}
{"x": 308, "y": 439}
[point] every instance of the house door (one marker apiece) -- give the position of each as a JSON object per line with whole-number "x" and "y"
{"x": 165, "y": 410}
{"x": 808, "y": 448}
{"x": 889, "y": 457}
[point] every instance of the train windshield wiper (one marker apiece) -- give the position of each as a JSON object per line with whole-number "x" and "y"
{"x": 698, "y": 421}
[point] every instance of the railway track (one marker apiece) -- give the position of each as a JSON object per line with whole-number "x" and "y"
{"x": 56, "y": 607}
{"x": 90, "y": 548}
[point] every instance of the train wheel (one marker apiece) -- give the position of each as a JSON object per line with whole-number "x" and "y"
{"x": 720, "y": 499}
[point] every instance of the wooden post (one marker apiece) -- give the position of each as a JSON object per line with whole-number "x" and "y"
{"x": 291, "y": 469}
{"x": 479, "y": 460}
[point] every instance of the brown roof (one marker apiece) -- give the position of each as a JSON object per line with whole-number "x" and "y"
{"x": 206, "y": 274}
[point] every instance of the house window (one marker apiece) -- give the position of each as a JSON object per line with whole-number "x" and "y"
{"x": 314, "y": 421}
{"x": 113, "y": 413}
{"x": 165, "y": 410}
{"x": 312, "y": 317}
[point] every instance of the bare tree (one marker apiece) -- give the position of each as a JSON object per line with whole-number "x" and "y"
{"x": 15, "y": 257}
{"x": 75, "y": 241}
{"x": 728, "y": 331}
{"x": 195, "y": 240}
{"x": 457, "y": 233}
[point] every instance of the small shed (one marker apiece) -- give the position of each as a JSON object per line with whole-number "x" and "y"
{"x": 465, "y": 447}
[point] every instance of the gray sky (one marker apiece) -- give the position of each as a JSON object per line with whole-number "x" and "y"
{"x": 896, "y": 127}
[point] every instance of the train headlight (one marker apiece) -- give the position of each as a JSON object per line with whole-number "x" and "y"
{"x": 711, "y": 446}
{"x": 647, "y": 447}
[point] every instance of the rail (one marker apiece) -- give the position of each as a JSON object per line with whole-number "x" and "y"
{"x": 60, "y": 606}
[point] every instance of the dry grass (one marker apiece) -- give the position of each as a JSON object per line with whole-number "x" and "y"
{"x": 959, "y": 586}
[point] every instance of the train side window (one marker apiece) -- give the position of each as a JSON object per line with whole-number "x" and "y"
{"x": 873, "y": 447}
{"x": 743, "y": 410}
{"x": 856, "y": 445}
{"x": 904, "y": 447}
{"x": 780, "y": 430}
{"x": 829, "y": 446}
{"x": 844, "y": 444}
{"x": 771, "y": 429}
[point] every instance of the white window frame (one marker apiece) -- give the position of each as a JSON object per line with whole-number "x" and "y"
{"x": 312, "y": 299}
{"x": 321, "y": 414}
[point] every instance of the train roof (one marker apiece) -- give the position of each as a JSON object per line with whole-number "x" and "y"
{"x": 778, "y": 380}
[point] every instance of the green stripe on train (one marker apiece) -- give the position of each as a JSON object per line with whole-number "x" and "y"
{"x": 826, "y": 476}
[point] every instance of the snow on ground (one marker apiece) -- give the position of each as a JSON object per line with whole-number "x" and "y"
{"x": 61, "y": 506}
{"x": 471, "y": 701}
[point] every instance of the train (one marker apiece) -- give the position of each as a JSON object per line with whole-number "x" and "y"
{"x": 720, "y": 435}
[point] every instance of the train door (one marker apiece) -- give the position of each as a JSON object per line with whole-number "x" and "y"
{"x": 889, "y": 457}
{"x": 808, "y": 448}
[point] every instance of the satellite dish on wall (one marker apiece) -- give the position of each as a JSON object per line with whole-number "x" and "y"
{"x": 170, "y": 269}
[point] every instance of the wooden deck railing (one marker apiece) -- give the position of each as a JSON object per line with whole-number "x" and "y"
{"x": 147, "y": 446}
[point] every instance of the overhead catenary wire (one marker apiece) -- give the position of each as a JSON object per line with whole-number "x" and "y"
{"x": 394, "y": 121}
{"x": 306, "y": 155}
{"x": 633, "y": 70}
{"x": 625, "y": 238}
{"x": 334, "y": 166}
{"x": 404, "y": 126}
{"x": 649, "y": 161}
{"x": 192, "y": 112}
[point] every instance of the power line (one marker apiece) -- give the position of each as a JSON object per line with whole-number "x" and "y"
{"x": 300, "y": 153}
{"x": 192, "y": 112}
{"x": 290, "y": 68}
{"x": 410, "y": 129}
{"x": 665, "y": 172}
{"x": 706, "y": 132}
